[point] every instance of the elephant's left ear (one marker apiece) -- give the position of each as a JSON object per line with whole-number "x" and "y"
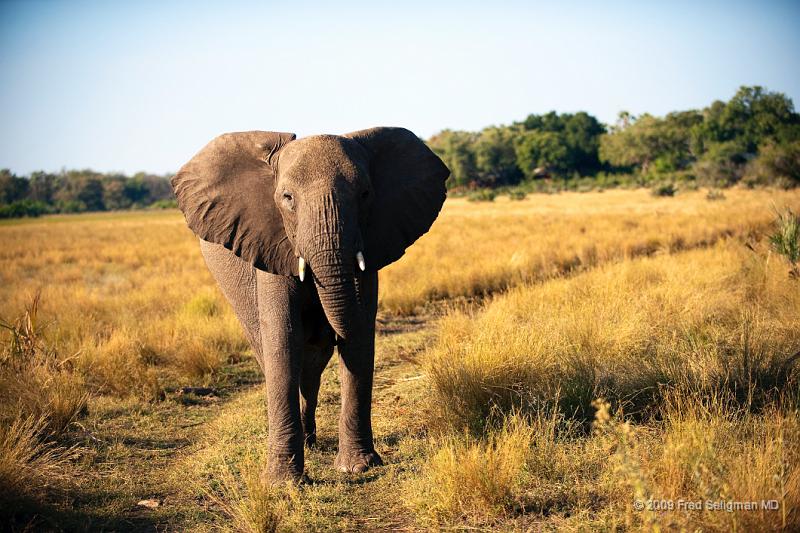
{"x": 408, "y": 182}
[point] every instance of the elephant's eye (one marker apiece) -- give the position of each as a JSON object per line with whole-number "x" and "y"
{"x": 288, "y": 201}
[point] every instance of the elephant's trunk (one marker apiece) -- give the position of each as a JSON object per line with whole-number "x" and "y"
{"x": 334, "y": 277}
{"x": 331, "y": 255}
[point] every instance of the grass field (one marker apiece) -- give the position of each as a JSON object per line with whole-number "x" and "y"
{"x": 542, "y": 363}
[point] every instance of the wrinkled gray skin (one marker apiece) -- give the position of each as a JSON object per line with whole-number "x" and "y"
{"x": 324, "y": 192}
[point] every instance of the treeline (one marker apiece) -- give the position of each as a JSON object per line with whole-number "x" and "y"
{"x": 75, "y": 191}
{"x": 754, "y": 138}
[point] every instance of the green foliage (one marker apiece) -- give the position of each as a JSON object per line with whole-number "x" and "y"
{"x": 650, "y": 143}
{"x": 722, "y": 165}
{"x": 754, "y": 138}
{"x": 24, "y": 208}
{"x": 12, "y": 188}
{"x": 539, "y": 151}
{"x": 455, "y": 149}
{"x": 776, "y": 163}
{"x": 482, "y": 195}
{"x": 517, "y": 194}
{"x": 786, "y": 239}
{"x": 164, "y": 204}
{"x": 715, "y": 144}
{"x": 503, "y": 155}
{"x": 579, "y": 134}
{"x": 751, "y": 117}
{"x": 76, "y": 191}
{"x": 495, "y": 159}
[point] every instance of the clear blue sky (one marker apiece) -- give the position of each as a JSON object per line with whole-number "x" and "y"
{"x": 128, "y": 86}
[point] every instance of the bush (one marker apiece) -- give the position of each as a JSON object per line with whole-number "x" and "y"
{"x": 664, "y": 189}
{"x": 517, "y": 195}
{"x": 722, "y": 165}
{"x": 164, "y": 204}
{"x": 482, "y": 195}
{"x": 70, "y": 206}
{"x": 24, "y": 208}
{"x": 775, "y": 164}
{"x": 714, "y": 195}
{"x": 786, "y": 240}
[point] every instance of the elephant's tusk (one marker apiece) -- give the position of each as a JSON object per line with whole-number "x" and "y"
{"x": 360, "y": 260}
{"x": 301, "y": 268}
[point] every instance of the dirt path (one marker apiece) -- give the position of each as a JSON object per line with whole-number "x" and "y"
{"x": 156, "y": 452}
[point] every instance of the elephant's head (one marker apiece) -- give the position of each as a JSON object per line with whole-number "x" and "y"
{"x": 323, "y": 207}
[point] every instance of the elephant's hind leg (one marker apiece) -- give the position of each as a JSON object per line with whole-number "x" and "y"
{"x": 315, "y": 359}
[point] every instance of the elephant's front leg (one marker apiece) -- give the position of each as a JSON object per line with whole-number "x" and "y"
{"x": 280, "y": 304}
{"x": 356, "y": 365}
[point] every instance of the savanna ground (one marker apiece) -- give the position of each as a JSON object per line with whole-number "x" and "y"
{"x": 541, "y": 364}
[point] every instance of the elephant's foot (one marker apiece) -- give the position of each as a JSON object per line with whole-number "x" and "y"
{"x": 357, "y": 461}
{"x": 282, "y": 469}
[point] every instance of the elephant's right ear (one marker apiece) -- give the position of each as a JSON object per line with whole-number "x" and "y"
{"x": 226, "y": 194}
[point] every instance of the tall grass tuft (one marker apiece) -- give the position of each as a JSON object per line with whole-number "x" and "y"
{"x": 32, "y": 468}
{"x": 786, "y": 240}
{"x": 35, "y": 381}
{"x": 709, "y": 452}
{"x": 475, "y": 481}
{"x": 252, "y": 505}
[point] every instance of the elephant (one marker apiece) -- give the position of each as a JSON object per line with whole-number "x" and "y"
{"x": 294, "y": 231}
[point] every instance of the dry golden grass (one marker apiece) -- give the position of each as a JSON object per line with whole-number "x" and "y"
{"x": 690, "y": 346}
{"x": 479, "y": 248}
{"x": 251, "y": 505}
{"x": 708, "y": 452}
{"x": 129, "y": 294}
{"x": 36, "y": 383}
{"x": 473, "y": 481}
{"x": 32, "y": 468}
{"x": 698, "y": 347}
{"x": 711, "y": 319}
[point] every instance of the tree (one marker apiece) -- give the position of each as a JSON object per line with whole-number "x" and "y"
{"x": 495, "y": 158}
{"x": 42, "y": 187}
{"x": 12, "y": 187}
{"x": 752, "y": 117}
{"x": 455, "y": 149}
{"x": 632, "y": 145}
{"x": 541, "y": 149}
{"x": 579, "y": 133}
{"x": 155, "y": 188}
{"x": 80, "y": 190}
{"x": 582, "y": 134}
{"x": 114, "y": 193}
{"x": 649, "y": 143}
